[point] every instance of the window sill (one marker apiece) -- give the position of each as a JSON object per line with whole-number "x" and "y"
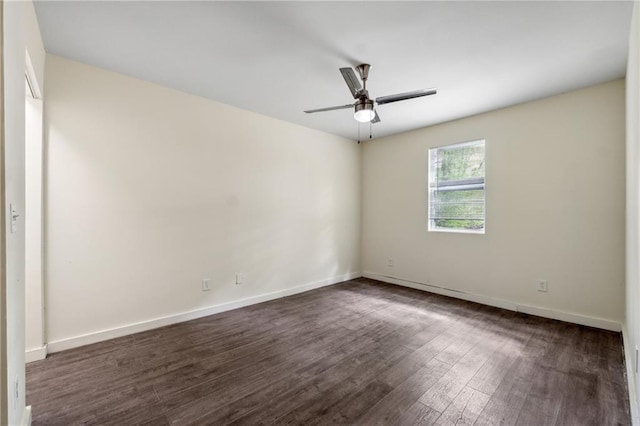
{"x": 457, "y": 231}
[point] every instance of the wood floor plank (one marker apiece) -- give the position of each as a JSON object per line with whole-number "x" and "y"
{"x": 213, "y": 413}
{"x": 391, "y": 408}
{"x": 542, "y": 405}
{"x": 506, "y": 402}
{"x": 300, "y": 402}
{"x": 415, "y": 361}
{"x": 348, "y": 409}
{"x": 204, "y": 398}
{"x": 492, "y": 372}
{"x": 580, "y": 405}
{"x": 445, "y": 390}
{"x": 464, "y": 409}
{"x": 361, "y": 352}
{"x": 419, "y": 414}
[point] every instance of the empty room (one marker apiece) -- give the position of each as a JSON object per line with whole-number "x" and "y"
{"x": 312, "y": 213}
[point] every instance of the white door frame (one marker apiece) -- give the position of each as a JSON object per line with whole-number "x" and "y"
{"x": 35, "y": 339}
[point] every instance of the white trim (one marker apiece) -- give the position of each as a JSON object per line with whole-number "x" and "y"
{"x": 501, "y": 303}
{"x": 629, "y": 360}
{"x": 457, "y": 230}
{"x": 34, "y": 225}
{"x": 459, "y": 145}
{"x": 565, "y": 316}
{"x": 30, "y": 75}
{"x": 35, "y": 354}
{"x": 26, "y": 416}
{"x": 98, "y": 336}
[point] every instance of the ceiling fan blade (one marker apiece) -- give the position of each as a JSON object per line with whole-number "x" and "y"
{"x": 329, "y": 108}
{"x": 352, "y": 81}
{"x": 404, "y": 96}
{"x": 376, "y": 118}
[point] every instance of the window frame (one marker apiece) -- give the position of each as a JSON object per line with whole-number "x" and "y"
{"x": 430, "y": 223}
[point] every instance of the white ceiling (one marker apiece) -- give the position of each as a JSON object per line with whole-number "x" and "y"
{"x": 280, "y": 58}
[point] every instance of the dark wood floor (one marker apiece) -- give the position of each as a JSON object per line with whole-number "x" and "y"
{"x": 360, "y": 352}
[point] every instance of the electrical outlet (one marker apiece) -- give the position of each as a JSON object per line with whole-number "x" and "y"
{"x": 240, "y": 278}
{"x": 390, "y": 262}
{"x": 542, "y": 285}
{"x": 206, "y": 284}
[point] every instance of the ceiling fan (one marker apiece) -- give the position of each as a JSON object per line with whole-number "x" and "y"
{"x": 364, "y": 107}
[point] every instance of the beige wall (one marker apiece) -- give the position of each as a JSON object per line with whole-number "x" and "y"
{"x": 554, "y": 202}
{"x": 632, "y": 323}
{"x": 150, "y": 190}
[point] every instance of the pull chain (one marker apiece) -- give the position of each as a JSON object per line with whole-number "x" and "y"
{"x": 358, "y": 132}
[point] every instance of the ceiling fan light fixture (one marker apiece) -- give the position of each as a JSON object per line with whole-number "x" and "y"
{"x": 364, "y": 111}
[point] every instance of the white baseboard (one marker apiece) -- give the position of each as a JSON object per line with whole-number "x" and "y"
{"x": 498, "y": 303}
{"x": 501, "y": 303}
{"x": 629, "y": 358}
{"x": 601, "y": 323}
{"x": 35, "y": 354}
{"x": 99, "y": 336}
{"x": 26, "y": 416}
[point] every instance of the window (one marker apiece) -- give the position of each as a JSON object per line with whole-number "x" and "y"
{"x": 456, "y": 187}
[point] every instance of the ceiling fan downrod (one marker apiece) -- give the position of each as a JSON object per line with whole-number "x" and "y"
{"x": 363, "y": 70}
